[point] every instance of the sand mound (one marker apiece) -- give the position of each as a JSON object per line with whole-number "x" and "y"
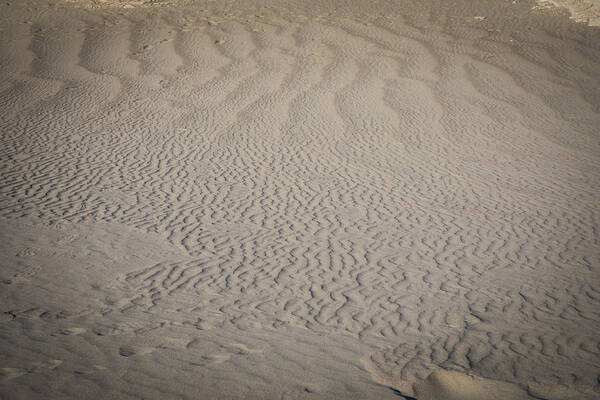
{"x": 454, "y": 385}
{"x": 451, "y": 385}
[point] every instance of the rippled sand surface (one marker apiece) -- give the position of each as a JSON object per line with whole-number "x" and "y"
{"x": 585, "y": 11}
{"x": 328, "y": 199}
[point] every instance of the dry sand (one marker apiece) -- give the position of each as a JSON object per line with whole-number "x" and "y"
{"x": 587, "y": 11}
{"x": 267, "y": 199}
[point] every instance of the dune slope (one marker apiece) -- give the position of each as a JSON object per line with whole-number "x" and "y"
{"x": 271, "y": 199}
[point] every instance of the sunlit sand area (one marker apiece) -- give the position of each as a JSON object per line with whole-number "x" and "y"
{"x": 311, "y": 199}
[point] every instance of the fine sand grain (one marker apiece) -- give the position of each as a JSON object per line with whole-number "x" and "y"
{"x": 319, "y": 199}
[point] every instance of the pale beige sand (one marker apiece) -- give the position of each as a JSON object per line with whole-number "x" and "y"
{"x": 586, "y": 11}
{"x": 334, "y": 199}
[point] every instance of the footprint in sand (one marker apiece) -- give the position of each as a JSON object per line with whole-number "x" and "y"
{"x": 30, "y": 313}
{"x": 240, "y": 349}
{"x": 11, "y": 373}
{"x": 27, "y": 252}
{"x": 28, "y": 272}
{"x": 235, "y": 349}
{"x": 7, "y": 316}
{"x": 130, "y": 351}
{"x": 67, "y": 238}
{"x": 70, "y": 331}
{"x": 50, "y": 364}
{"x": 211, "y": 359}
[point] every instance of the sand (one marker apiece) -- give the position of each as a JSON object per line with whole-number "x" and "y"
{"x": 334, "y": 199}
{"x": 585, "y": 11}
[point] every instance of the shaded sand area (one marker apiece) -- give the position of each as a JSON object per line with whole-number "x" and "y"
{"x": 334, "y": 199}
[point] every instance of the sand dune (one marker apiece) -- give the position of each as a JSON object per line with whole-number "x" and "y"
{"x": 277, "y": 200}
